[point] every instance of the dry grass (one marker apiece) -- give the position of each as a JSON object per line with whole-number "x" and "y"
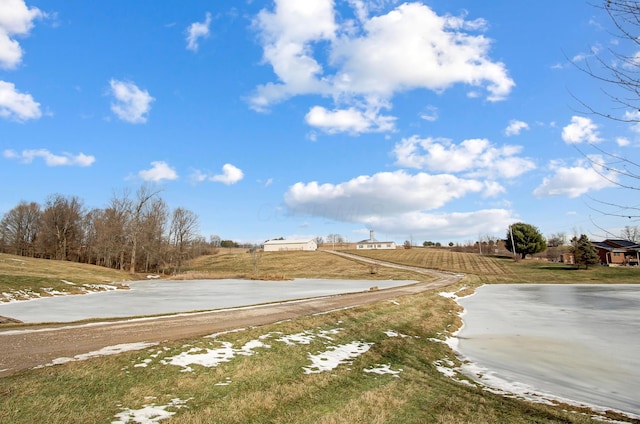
{"x": 271, "y": 387}
{"x": 441, "y": 259}
{"x": 18, "y": 273}
{"x": 485, "y": 269}
{"x": 287, "y": 265}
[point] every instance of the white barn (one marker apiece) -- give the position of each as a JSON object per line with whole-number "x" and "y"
{"x": 290, "y": 245}
{"x": 372, "y": 243}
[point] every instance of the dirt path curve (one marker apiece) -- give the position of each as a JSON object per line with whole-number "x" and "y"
{"x": 29, "y": 347}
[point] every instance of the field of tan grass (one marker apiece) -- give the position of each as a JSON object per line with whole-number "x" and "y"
{"x": 487, "y": 269}
{"x": 441, "y": 259}
{"x": 287, "y": 265}
{"x": 22, "y": 277}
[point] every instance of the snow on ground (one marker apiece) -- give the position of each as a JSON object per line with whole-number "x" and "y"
{"x": 306, "y": 337}
{"x": 109, "y": 350}
{"x": 382, "y": 369}
{"x": 392, "y": 333}
{"x": 212, "y": 357}
{"x": 331, "y": 358}
{"x": 29, "y": 294}
{"x": 335, "y": 356}
{"x": 149, "y": 414}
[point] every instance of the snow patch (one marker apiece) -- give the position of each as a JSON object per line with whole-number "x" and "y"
{"x": 212, "y": 357}
{"x": 109, "y": 350}
{"x": 335, "y": 356}
{"x": 150, "y": 413}
{"x": 382, "y": 369}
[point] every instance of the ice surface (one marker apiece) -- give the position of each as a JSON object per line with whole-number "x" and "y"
{"x": 573, "y": 342}
{"x": 162, "y": 297}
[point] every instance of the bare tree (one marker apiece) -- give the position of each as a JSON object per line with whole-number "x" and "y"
{"x": 215, "y": 240}
{"x": 111, "y": 232}
{"x": 61, "y": 228}
{"x": 19, "y": 228}
{"x": 631, "y": 234}
{"x": 143, "y": 197}
{"x": 256, "y": 257}
{"x": 555, "y": 246}
{"x": 184, "y": 227}
{"x": 153, "y": 225}
{"x": 619, "y": 72}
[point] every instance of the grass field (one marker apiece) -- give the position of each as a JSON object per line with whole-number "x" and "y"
{"x": 23, "y": 278}
{"x": 265, "y": 378}
{"x": 286, "y": 265}
{"x": 502, "y": 270}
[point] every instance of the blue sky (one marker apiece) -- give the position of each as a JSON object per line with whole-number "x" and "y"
{"x": 434, "y": 120}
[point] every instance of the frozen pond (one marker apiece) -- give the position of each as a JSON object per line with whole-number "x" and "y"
{"x": 577, "y": 343}
{"x": 163, "y": 297}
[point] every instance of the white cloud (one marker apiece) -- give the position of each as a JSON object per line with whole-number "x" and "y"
{"x": 383, "y": 194}
{"x": 444, "y": 226}
{"x": 436, "y": 53}
{"x": 515, "y": 127}
{"x": 65, "y": 159}
{"x": 230, "y": 175}
{"x": 493, "y": 189}
{"x": 196, "y": 31}
{"x": 15, "y": 19}
{"x": 581, "y": 130}
{"x": 131, "y": 103}
{"x": 17, "y": 106}
{"x": 348, "y": 120}
{"x": 366, "y": 66}
{"x": 159, "y": 171}
{"x": 634, "y": 118}
{"x": 286, "y": 35}
{"x": 574, "y": 181}
{"x": 474, "y": 157}
{"x": 398, "y": 204}
{"x": 623, "y": 141}
{"x": 430, "y": 114}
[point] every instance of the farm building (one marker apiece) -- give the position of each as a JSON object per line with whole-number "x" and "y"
{"x": 290, "y": 245}
{"x": 617, "y": 252}
{"x": 372, "y": 243}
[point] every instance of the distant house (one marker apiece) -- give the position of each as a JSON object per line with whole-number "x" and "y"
{"x": 290, "y": 245}
{"x": 567, "y": 258}
{"x": 617, "y": 252}
{"x": 372, "y": 243}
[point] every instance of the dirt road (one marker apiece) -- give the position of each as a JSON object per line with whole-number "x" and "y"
{"x": 29, "y": 347}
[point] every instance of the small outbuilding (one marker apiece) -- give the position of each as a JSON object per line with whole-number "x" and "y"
{"x": 372, "y": 243}
{"x": 290, "y": 245}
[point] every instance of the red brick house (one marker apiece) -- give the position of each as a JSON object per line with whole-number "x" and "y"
{"x": 616, "y": 252}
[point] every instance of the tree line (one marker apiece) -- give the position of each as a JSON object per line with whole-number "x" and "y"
{"x": 135, "y": 232}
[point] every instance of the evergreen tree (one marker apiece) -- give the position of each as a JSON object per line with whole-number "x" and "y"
{"x": 583, "y": 251}
{"x": 526, "y": 238}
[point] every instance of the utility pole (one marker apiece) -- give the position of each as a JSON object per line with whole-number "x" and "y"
{"x": 513, "y": 245}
